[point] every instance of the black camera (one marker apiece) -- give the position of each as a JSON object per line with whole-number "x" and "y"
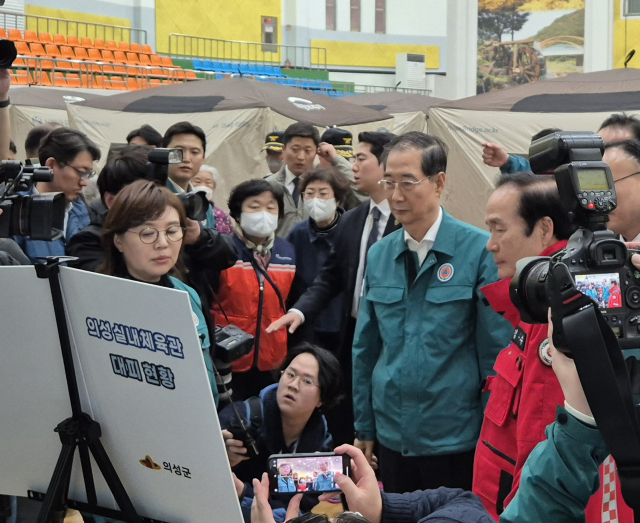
{"x": 39, "y": 216}
{"x": 8, "y": 53}
{"x": 195, "y": 203}
{"x": 594, "y": 262}
{"x": 232, "y": 343}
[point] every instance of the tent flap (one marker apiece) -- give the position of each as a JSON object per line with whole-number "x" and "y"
{"x": 174, "y": 104}
{"x": 578, "y": 103}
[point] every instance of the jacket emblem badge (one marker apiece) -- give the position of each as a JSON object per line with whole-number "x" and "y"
{"x": 445, "y": 272}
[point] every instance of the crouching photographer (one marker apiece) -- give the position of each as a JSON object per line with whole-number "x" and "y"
{"x": 286, "y": 417}
{"x": 143, "y": 240}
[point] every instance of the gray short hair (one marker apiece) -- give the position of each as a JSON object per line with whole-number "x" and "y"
{"x": 214, "y": 173}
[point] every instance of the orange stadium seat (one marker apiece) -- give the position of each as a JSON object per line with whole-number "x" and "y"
{"x": 59, "y": 80}
{"x": 21, "y": 78}
{"x": 19, "y": 62}
{"x": 111, "y": 45}
{"x": 120, "y": 57}
{"x": 124, "y": 46}
{"x": 3, "y": 33}
{"x": 107, "y": 56}
{"x": 23, "y": 48}
{"x": 45, "y": 38}
{"x": 99, "y": 44}
{"x": 94, "y": 55}
{"x": 156, "y": 60}
{"x": 144, "y": 59}
{"x": 73, "y": 41}
{"x": 59, "y": 39}
{"x": 117, "y": 83}
{"x": 41, "y": 78}
{"x": 15, "y": 35}
{"x": 158, "y": 72}
{"x": 53, "y": 51}
{"x": 81, "y": 53}
{"x": 30, "y": 36}
{"x": 132, "y": 84}
{"x": 167, "y": 62}
{"x": 46, "y": 64}
{"x": 135, "y": 48}
{"x": 133, "y": 59}
{"x": 67, "y": 52}
{"x": 73, "y": 80}
{"x": 146, "y": 49}
{"x": 86, "y": 42}
{"x": 154, "y": 82}
{"x": 37, "y": 49}
{"x": 191, "y": 75}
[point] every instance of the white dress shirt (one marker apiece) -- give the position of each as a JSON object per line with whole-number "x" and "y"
{"x": 423, "y": 247}
{"x": 385, "y": 213}
{"x": 288, "y": 180}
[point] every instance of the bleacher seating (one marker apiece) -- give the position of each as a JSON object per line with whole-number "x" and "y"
{"x": 116, "y": 65}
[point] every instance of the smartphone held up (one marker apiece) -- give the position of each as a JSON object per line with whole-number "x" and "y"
{"x": 307, "y": 473}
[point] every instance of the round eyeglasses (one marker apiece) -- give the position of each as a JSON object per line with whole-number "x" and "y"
{"x": 175, "y": 233}
{"x": 288, "y": 376}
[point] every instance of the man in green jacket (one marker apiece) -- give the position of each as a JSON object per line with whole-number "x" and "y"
{"x": 425, "y": 338}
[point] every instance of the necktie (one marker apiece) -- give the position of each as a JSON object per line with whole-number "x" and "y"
{"x": 296, "y": 192}
{"x": 373, "y": 234}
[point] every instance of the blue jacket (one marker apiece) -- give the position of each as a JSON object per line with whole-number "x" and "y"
{"x": 77, "y": 220}
{"x": 420, "y": 353}
{"x": 312, "y": 250}
{"x": 515, "y": 164}
{"x": 286, "y": 485}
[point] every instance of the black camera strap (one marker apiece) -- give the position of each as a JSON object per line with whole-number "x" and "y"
{"x": 263, "y": 272}
{"x": 580, "y": 328}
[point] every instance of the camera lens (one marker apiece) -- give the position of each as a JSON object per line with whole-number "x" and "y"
{"x": 528, "y": 289}
{"x": 632, "y": 297}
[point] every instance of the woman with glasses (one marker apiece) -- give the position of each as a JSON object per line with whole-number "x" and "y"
{"x": 70, "y": 156}
{"x": 142, "y": 239}
{"x": 324, "y": 191}
{"x": 287, "y": 417}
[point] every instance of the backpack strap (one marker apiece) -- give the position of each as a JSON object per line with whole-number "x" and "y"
{"x": 254, "y": 412}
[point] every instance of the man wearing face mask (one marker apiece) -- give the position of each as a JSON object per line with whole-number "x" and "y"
{"x": 324, "y": 191}
{"x": 255, "y": 290}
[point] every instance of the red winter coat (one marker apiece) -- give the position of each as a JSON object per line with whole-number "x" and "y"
{"x": 240, "y": 296}
{"x": 524, "y": 396}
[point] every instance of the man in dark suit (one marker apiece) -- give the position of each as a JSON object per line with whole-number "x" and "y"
{"x": 344, "y": 269}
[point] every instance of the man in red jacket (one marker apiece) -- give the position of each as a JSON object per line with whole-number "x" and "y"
{"x": 525, "y": 218}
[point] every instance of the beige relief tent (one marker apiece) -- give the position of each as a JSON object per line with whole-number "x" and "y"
{"x": 31, "y": 106}
{"x": 510, "y": 117}
{"x": 236, "y": 115}
{"x": 409, "y": 110}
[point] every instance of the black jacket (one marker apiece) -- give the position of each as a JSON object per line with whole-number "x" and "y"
{"x": 340, "y": 270}
{"x": 85, "y": 245}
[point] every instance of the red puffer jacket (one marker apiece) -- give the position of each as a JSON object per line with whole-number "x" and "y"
{"x": 524, "y": 396}
{"x": 252, "y": 305}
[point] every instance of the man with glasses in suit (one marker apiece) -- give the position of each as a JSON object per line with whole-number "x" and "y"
{"x": 344, "y": 269}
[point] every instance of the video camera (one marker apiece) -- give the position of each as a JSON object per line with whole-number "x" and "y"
{"x": 39, "y": 216}
{"x": 232, "y": 343}
{"x": 195, "y": 203}
{"x": 594, "y": 262}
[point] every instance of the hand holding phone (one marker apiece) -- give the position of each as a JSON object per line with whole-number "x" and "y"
{"x": 307, "y": 473}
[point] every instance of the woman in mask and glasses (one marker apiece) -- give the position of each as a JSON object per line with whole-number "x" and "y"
{"x": 324, "y": 191}
{"x": 142, "y": 239}
{"x": 253, "y": 293}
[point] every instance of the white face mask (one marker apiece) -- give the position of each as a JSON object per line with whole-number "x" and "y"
{"x": 208, "y": 192}
{"x": 274, "y": 163}
{"x": 320, "y": 210}
{"x": 259, "y": 224}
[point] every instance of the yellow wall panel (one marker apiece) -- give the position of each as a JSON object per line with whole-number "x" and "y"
{"x": 362, "y": 54}
{"x": 76, "y": 29}
{"x": 626, "y": 36}
{"x": 221, "y": 19}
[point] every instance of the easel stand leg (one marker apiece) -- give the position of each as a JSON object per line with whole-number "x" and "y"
{"x": 78, "y": 432}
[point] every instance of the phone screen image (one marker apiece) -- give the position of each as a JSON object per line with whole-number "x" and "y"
{"x": 604, "y": 289}
{"x": 307, "y": 474}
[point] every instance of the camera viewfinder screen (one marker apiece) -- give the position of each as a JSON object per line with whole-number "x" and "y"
{"x": 593, "y": 180}
{"x": 604, "y": 289}
{"x": 308, "y": 474}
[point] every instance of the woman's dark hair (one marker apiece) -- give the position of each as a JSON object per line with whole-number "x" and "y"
{"x": 64, "y": 144}
{"x": 251, "y": 188}
{"x": 184, "y": 128}
{"x": 336, "y": 180}
{"x": 329, "y": 372}
{"x": 126, "y": 167}
{"x": 539, "y": 197}
{"x": 139, "y": 202}
{"x": 148, "y": 134}
{"x": 377, "y": 140}
{"x": 433, "y": 149}
{"x": 301, "y": 130}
